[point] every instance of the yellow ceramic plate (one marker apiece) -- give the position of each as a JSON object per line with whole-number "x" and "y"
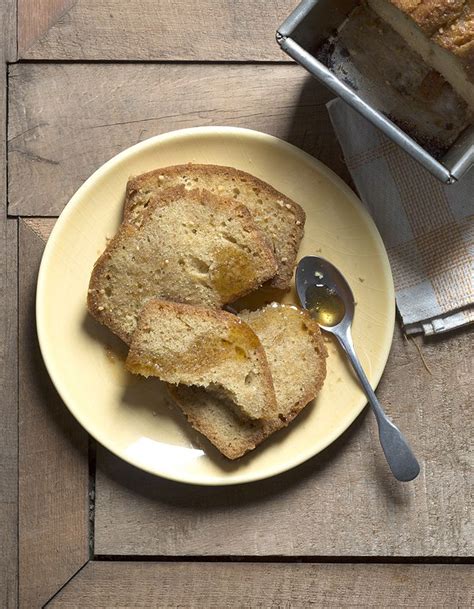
{"x": 133, "y": 417}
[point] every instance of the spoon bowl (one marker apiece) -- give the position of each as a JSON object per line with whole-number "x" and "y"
{"x": 325, "y": 293}
{"x": 317, "y": 272}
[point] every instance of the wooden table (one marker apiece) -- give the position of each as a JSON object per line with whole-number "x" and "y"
{"x": 81, "y": 80}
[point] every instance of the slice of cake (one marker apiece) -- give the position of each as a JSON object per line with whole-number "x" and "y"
{"x": 193, "y": 345}
{"x": 279, "y": 218}
{"x": 296, "y": 354}
{"x": 191, "y": 246}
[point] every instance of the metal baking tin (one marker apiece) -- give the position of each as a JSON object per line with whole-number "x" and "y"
{"x": 307, "y": 26}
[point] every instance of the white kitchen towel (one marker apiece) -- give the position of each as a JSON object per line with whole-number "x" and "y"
{"x": 428, "y": 228}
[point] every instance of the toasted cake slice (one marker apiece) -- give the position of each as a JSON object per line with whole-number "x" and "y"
{"x": 296, "y": 354}
{"x": 191, "y": 246}
{"x": 280, "y": 218}
{"x": 193, "y": 345}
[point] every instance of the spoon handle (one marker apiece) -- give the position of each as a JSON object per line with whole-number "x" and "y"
{"x": 399, "y": 455}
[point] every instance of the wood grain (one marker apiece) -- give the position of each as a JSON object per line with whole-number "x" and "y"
{"x": 94, "y": 111}
{"x": 299, "y": 586}
{"x": 53, "y": 464}
{"x": 8, "y": 42}
{"x": 198, "y": 30}
{"x": 8, "y": 409}
{"x": 8, "y": 341}
{"x": 35, "y": 18}
{"x": 42, "y": 227}
{"x": 343, "y": 502}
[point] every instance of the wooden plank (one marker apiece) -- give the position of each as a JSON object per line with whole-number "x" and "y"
{"x": 343, "y": 502}
{"x": 8, "y": 44}
{"x": 35, "y": 17}
{"x": 8, "y": 411}
{"x": 198, "y": 30}
{"x": 299, "y": 586}
{"x": 94, "y": 111}
{"x": 42, "y": 227}
{"x": 53, "y": 463}
{"x": 8, "y": 340}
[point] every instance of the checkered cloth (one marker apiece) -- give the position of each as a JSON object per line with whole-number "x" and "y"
{"x": 428, "y": 228}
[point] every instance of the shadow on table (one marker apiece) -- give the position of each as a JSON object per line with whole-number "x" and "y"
{"x": 311, "y": 130}
{"x": 40, "y": 405}
{"x": 182, "y": 495}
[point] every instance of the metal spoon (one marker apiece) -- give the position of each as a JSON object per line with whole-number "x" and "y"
{"x": 326, "y": 294}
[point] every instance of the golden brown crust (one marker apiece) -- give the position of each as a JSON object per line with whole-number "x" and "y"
{"x": 285, "y": 252}
{"x": 449, "y": 23}
{"x": 430, "y": 15}
{"x": 94, "y": 301}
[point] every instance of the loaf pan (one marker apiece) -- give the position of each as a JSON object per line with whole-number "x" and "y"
{"x": 306, "y": 29}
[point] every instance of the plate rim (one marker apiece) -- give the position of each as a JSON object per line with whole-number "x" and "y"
{"x": 74, "y": 201}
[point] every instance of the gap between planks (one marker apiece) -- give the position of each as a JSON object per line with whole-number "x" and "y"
{"x": 314, "y": 560}
{"x": 42, "y": 227}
